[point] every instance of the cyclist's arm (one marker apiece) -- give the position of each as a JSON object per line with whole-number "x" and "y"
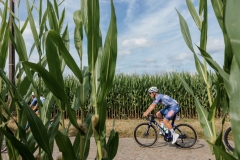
{"x": 149, "y": 110}
{"x": 35, "y": 108}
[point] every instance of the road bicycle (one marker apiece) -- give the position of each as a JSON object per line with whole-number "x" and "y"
{"x": 228, "y": 139}
{"x": 146, "y": 134}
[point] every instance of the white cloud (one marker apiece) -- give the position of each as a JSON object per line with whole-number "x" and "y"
{"x": 150, "y": 60}
{"x": 215, "y": 45}
{"x": 135, "y": 42}
{"x": 182, "y": 56}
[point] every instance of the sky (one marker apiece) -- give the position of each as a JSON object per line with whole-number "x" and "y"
{"x": 149, "y": 35}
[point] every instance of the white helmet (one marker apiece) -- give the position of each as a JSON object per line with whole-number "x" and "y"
{"x": 152, "y": 89}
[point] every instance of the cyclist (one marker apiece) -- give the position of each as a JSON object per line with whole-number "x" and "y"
{"x": 34, "y": 104}
{"x": 170, "y": 110}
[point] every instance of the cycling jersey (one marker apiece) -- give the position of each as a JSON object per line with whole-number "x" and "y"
{"x": 165, "y": 100}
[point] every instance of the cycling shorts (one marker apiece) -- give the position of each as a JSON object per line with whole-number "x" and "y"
{"x": 170, "y": 112}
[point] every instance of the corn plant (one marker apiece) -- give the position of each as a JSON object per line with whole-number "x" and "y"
{"x": 228, "y": 75}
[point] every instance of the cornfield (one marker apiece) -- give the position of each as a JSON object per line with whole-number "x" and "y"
{"x": 129, "y": 98}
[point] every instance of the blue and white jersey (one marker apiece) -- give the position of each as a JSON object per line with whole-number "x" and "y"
{"x": 42, "y": 100}
{"x": 34, "y": 102}
{"x": 165, "y": 100}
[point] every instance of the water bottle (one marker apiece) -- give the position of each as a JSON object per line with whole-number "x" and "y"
{"x": 164, "y": 128}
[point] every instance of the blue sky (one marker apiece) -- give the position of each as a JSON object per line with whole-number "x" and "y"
{"x": 149, "y": 35}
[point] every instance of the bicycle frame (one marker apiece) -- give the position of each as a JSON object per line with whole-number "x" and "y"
{"x": 152, "y": 121}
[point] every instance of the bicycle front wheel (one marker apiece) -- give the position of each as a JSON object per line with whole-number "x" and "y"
{"x": 145, "y": 135}
{"x": 187, "y": 136}
{"x": 228, "y": 139}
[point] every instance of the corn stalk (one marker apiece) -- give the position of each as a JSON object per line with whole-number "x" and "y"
{"x": 229, "y": 75}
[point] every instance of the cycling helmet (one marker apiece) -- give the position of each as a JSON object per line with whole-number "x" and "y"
{"x": 152, "y": 89}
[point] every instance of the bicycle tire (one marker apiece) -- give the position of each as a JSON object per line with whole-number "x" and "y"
{"x": 187, "y": 136}
{"x": 144, "y": 132}
{"x": 227, "y": 137}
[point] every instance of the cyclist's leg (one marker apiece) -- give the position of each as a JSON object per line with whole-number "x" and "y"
{"x": 171, "y": 112}
{"x": 159, "y": 116}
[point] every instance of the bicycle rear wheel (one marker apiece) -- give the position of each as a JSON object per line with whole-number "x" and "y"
{"x": 145, "y": 134}
{"x": 228, "y": 139}
{"x": 187, "y": 136}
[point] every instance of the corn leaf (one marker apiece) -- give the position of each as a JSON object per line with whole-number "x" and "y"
{"x": 112, "y": 144}
{"x": 185, "y": 32}
{"x": 93, "y": 33}
{"x": 52, "y": 17}
{"x": 64, "y": 144}
{"x": 65, "y": 54}
{"x": 49, "y": 80}
{"x": 33, "y": 28}
{"x": 194, "y": 14}
{"x": 109, "y": 56}
{"x": 202, "y": 114}
{"x": 54, "y": 61}
{"x": 22, "y": 149}
{"x": 222, "y": 152}
{"x": 61, "y": 20}
{"x": 218, "y": 10}
{"x": 203, "y": 37}
{"x": 232, "y": 26}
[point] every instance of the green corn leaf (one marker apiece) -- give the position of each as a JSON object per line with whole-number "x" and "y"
{"x": 66, "y": 39}
{"x": 109, "y": 56}
{"x": 194, "y": 14}
{"x": 216, "y": 67}
{"x": 76, "y": 145}
{"x": 33, "y": 28}
{"x": 54, "y": 128}
{"x": 84, "y": 87}
{"x": 185, "y": 32}
{"x": 52, "y": 17}
{"x": 234, "y": 90}
{"x": 21, "y": 50}
{"x": 49, "y": 80}
{"x": 4, "y": 47}
{"x": 78, "y": 32}
{"x": 65, "y": 54}
{"x": 64, "y": 144}
{"x": 40, "y": 12}
{"x": 61, "y": 20}
{"x": 218, "y": 10}
{"x": 77, "y": 17}
{"x": 22, "y": 149}
{"x": 222, "y": 152}
{"x": 232, "y": 24}
{"x": 46, "y": 109}
{"x": 202, "y": 114}
{"x": 4, "y": 24}
{"x": 42, "y": 24}
{"x": 73, "y": 120}
{"x": 84, "y": 9}
{"x": 54, "y": 64}
{"x": 38, "y": 129}
{"x": 56, "y": 8}
{"x": 93, "y": 33}
{"x": 112, "y": 144}
{"x": 87, "y": 136}
{"x": 203, "y": 37}
{"x": 234, "y": 100}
